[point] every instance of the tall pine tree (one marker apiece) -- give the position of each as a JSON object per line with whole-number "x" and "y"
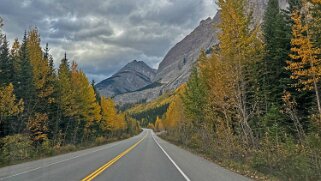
{"x": 277, "y": 36}
{"x": 6, "y": 64}
{"x": 25, "y": 87}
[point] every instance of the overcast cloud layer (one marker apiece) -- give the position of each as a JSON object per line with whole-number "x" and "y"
{"x": 104, "y": 35}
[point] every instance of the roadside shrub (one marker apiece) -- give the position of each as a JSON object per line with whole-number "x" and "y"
{"x": 66, "y": 148}
{"x": 195, "y": 141}
{"x": 46, "y": 148}
{"x": 314, "y": 156}
{"x": 16, "y": 147}
{"x": 289, "y": 160}
{"x": 100, "y": 140}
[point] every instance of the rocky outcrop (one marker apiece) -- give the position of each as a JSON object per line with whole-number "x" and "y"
{"x": 134, "y": 76}
{"x": 258, "y": 7}
{"x": 176, "y": 66}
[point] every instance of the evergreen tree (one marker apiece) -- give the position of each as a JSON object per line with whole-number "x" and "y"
{"x": 277, "y": 35}
{"x": 15, "y": 56}
{"x": 52, "y": 99}
{"x": 51, "y": 82}
{"x": 1, "y": 25}
{"x": 25, "y": 87}
{"x": 304, "y": 100}
{"x": 66, "y": 101}
{"x": 46, "y": 52}
{"x": 65, "y": 88}
{"x": 315, "y": 24}
{"x": 6, "y": 64}
{"x": 194, "y": 98}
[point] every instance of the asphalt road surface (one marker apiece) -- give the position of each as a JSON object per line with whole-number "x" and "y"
{"x": 144, "y": 157}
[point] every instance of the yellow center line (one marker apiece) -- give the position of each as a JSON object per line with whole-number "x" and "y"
{"x": 111, "y": 162}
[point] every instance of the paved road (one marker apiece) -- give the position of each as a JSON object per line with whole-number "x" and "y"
{"x": 144, "y": 157}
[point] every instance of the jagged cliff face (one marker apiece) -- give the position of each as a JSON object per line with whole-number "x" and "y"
{"x": 176, "y": 66}
{"x": 259, "y": 6}
{"x": 132, "y": 77}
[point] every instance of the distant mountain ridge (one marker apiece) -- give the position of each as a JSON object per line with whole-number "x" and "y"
{"x": 175, "y": 68}
{"x": 133, "y": 76}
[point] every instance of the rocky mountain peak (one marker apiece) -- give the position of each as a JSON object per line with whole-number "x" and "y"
{"x": 139, "y": 66}
{"x": 133, "y": 76}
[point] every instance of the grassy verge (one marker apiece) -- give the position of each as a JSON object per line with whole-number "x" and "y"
{"x": 240, "y": 168}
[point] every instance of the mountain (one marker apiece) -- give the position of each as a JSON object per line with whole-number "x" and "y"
{"x": 134, "y": 76}
{"x": 176, "y": 66}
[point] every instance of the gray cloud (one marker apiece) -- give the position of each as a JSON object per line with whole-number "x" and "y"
{"x": 104, "y": 35}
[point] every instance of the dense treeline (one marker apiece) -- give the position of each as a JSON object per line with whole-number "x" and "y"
{"x": 150, "y": 115}
{"x": 43, "y": 109}
{"x": 254, "y": 103}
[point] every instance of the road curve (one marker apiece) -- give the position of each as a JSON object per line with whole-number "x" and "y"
{"x": 144, "y": 157}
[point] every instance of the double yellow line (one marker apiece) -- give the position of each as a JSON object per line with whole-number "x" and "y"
{"x": 111, "y": 162}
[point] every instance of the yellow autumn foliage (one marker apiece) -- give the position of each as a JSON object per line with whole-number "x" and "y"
{"x": 305, "y": 63}
{"x": 9, "y": 105}
{"x": 85, "y": 104}
{"x": 159, "y": 125}
{"x": 111, "y": 121}
{"x": 39, "y": 65}
{"x": 38, "y": 126}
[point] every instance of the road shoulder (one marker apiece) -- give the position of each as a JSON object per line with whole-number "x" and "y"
{"x": 197, "y": 167}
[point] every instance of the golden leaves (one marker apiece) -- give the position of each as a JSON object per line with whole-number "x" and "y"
{"x": 38, "y": 126}
{"x": 39, "y": 65}
{"x": 305, "y": 64}
{"x": 9, "y": 106}
{"x": 111, "y": 121}
{"x": 159, "y": 125}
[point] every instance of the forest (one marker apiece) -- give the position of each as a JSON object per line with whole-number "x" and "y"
{"x": 46, "y": 111}
{"x": 253, "y": 105}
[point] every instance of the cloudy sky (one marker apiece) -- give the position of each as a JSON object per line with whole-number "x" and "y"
{"x": 104, "y": 35}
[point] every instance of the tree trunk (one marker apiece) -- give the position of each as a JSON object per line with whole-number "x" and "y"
{"x": 317, "y": 95}
{"x": 75, "y": 132}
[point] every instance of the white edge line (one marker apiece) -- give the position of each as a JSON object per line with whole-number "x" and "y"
{"x": 179, "y": 169}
